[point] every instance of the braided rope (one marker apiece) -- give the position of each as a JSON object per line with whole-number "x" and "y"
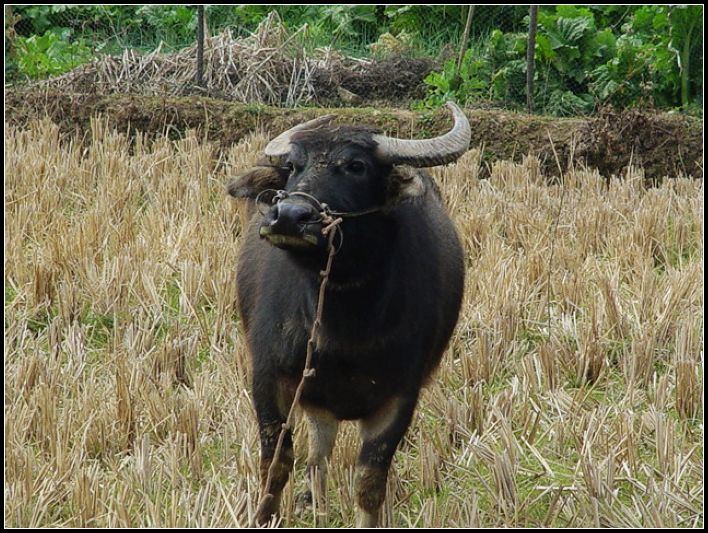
{"x": 330, "y": 229}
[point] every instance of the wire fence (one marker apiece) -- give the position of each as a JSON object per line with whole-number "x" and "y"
{"x": 581, "y": 57}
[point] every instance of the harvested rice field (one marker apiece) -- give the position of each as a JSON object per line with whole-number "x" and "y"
{"x": 571, "y": 394}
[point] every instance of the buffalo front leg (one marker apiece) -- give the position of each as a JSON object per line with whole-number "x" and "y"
{"x": 322, "y": 432}
{"x": 271, "y": 405}
{"x": 380, "y": 435}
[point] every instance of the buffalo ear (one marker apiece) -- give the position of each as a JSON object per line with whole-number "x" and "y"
{"x": 259, "y": 178}
{"x": 405, "y": 183}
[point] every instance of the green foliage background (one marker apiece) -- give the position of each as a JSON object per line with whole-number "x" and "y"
{"x": 586, "y": 56}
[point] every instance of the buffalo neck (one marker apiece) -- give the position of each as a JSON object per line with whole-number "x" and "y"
{"x": 363, "y": 254}
{"x": 361, "y": 258}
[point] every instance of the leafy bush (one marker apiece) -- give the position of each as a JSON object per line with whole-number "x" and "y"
{"x": 568, "y": 47}
{"x": 50, "y": 54}
{"x": 686, "y": 38}
{"x": 172, "y": 23}
{"x": 40, "y": 18}
{"x": 473, "y": 81}
{"x": 580, "y": 66}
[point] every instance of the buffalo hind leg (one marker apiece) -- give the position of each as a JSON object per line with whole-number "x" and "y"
{"x": 380, "y": 435}
{"x": 322, "y": 433}
{"x": 271, "y": 405}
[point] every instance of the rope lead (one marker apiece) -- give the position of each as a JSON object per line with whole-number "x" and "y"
{"x": 330, "y": 229}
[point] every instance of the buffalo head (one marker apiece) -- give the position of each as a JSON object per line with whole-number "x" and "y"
{"x": 350, "y": 169}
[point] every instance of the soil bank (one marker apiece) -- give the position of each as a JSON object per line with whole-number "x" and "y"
{"x": 663, "y": 144}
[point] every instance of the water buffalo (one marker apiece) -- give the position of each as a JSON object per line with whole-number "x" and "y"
{"x": 391, "y": 304}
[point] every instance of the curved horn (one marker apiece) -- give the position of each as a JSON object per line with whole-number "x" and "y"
{"x": 280, "y": 146}
{"x": 429, "y": 152}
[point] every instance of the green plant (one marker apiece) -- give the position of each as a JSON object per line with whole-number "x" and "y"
{"x": 655, "y": 61}
{"x": 562, "y": 103}
{"x": 349, "y": 20}
{"x": 171, "y": 23}
{"x": 567, "y": 47}
{"x": 431, "y": 26}
{"x": 495, "y": 69}
{"x": 472, "y": 82}
{"x": 50, "y": 54}
{"x": 506, "y": 55}
{"x": 685, "y": 22}
{"x": 42, "y": 17}
{"x": 643, "y": 68}
{"x": 492, "y": 69}
{"x": 585, "y": 57}
{"x": 629, "y": 76}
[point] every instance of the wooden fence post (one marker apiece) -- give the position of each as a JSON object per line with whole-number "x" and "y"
{"x": 531, "y": 56}
{"x": 456, "y": 80}
{"x": 200, "y": 46}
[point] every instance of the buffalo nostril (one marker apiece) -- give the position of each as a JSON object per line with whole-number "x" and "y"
{"x": 288, "y": 217}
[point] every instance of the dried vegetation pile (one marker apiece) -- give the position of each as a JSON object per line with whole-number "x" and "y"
{"x": 571, "y": 394}
{"x": 271, "y": 66}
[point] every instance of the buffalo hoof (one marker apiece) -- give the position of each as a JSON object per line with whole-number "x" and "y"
{"x": 303, "y": 502}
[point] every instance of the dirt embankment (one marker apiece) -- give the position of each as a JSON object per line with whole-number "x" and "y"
{"x": 663, "y": 144}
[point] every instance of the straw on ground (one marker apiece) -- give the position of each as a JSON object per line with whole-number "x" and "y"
{"x": 571, "y": 394}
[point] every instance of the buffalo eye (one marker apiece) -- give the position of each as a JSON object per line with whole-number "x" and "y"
{"x": 293, "y": 167}
{"x": 356, "y": 167}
